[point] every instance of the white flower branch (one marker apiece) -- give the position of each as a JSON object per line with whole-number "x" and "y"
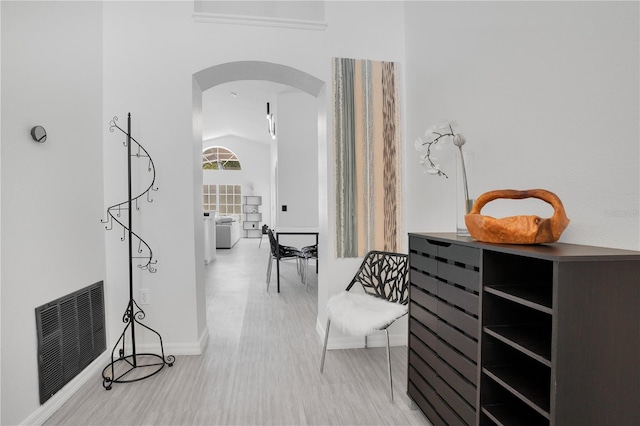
{"x": 433, "y": 136}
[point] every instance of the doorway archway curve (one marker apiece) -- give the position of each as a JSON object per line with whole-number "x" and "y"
{"x": 258, "y": 70}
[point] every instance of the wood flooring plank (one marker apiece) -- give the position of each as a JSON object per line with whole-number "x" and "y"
{"x": 260, "y": 367}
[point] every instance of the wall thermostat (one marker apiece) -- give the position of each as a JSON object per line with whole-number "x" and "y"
{"x": 39, "y": 134}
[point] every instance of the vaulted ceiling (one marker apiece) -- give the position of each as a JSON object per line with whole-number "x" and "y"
{"x": 239, "y": 108}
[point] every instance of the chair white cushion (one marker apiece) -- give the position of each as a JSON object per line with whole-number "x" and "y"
{"x": 361, "y": 314}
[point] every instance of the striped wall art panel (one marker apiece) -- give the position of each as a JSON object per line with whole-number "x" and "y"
{"x": 368, "y": 157}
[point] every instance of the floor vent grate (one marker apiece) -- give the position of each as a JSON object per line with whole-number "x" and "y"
{"x": 71, "y": 335}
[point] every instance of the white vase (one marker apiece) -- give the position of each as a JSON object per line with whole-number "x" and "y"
{"x": 465, "y": 195}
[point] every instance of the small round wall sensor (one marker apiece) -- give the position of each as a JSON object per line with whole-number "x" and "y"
{"x": 39, "y": 134}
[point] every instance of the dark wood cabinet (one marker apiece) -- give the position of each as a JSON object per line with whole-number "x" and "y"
{"x": 514, "y": 335}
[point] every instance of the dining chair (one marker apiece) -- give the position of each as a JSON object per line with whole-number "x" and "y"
{"x": 306, "y": 253}
{"x": 284, "y": 253}
{"x": 264, "y": 231}
{"x": 384, "y": 279}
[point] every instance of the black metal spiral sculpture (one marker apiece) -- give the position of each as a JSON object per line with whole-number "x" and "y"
{"x": 132, "y": 367}
{"x": 114, "y": 212}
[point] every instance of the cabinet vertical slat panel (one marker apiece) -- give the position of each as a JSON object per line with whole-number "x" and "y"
{"x": 461, "y": 254}
{"x": 460, "y": 298}
{"x": 425, "y": 317}
{"x": 462, "y": 365}
{"x": 422, "y": 246}
{"x": 425, "y": 300}
{"x": 422, "y": 263}
{"x": 455, "y": 274}
{"x": 424, "y": 282}
{"x": 461, "y": 385}
{"x": 461, "y": 407}
{"x": 458, "y": 341}
{"x": 427, "y": 353}
{"x": 443, "y": 409}
{"x": 427, "y": 336}
{"x": 444, "y": 315}
{"x": 423, "y": 404}
{"x": 458, "y": 319}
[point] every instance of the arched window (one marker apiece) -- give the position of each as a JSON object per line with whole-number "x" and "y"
{"x": 219, "y": 158}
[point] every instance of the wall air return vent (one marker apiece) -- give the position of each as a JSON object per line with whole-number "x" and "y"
{"x": 71, "y": 335}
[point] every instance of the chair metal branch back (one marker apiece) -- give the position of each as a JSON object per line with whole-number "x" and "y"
{"x": 385, "y": 275}
{"x": 272, "y": 242}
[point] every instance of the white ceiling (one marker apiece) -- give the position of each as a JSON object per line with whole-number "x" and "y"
{"x": 243, "y": 115}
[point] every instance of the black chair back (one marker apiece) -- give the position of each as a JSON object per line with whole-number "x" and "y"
{"x": 273, "y": 242}
{"x": 385, "y": 275}
{"x": 284, "y": 251}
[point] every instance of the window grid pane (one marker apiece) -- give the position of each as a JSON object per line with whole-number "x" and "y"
{"x": 209, "y": 197}
{"x": 226, "y": 199}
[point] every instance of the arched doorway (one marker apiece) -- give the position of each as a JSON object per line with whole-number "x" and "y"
{"x": 247, "y": 70}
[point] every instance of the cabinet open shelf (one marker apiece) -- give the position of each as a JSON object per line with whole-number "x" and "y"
{"x": 529, "y": 387}
{"x": 501, "y": 405}
{"x": 509, "y": 414}
{"x": 526, "y": 329}
{"x": 516, "y": 373}
{"x": 530, "y": 339}
{"x": 534, "y": 296}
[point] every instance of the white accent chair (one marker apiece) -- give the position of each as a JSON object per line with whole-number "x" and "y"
{"x": 384, "y": 278}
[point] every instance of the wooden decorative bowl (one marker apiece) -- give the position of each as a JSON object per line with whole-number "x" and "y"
{"x": 517, "y": 229}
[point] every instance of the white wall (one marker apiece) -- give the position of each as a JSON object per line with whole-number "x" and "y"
{"x": 52, "y": 193}
{"x": 547, "y": 96}
{"x": 147, "y": 50}
{"x": 380, "y": 36}
{"x": 297, "y": 141}
{"x": 163, "y": 47}
{"x": 255, "y": 160}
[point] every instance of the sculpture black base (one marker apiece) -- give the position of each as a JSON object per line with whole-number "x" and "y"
{"x": 133, "y": 368}
{"x": 136, "y": 366}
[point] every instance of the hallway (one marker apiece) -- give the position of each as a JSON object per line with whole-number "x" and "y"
{"x": 261, "y": 364}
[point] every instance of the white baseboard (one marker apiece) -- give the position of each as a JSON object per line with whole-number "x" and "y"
{"x": 47, "y": 409}
{"x": 204, "y": 339}
{"x": 353, "y": 342}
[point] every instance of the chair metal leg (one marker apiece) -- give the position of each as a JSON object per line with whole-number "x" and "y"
{"x": 324, "y": 349}
{"x": 366, "y": 342}
{"x": 389, "y": 366}
{"x": 305, "y": 272}
{"x": 269, "y": 272}
{"x": 299, "y": 267}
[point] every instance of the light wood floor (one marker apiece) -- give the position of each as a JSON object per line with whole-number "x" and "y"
{"x": 261, "y": 365}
